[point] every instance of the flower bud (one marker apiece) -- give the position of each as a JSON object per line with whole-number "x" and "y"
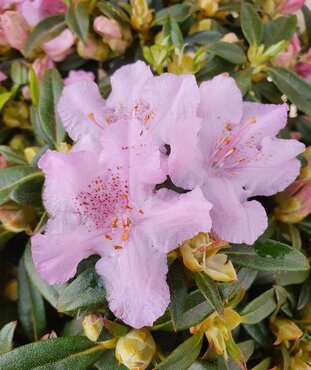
{"x": 18, "y": 142}
{"x": 41, "y": 65}
{"x": 141, "y": 16}
{"x": 290, "y": 6}
{"x": 49, "y": 335}
{"x": 15, "y": 217}
{"x": 209, "y": 7}
{"x": 218, "y": 329}
{"x": 136, "y": 349}
{"x": 15, "y": 29}
{"x": 92, "y": 326}
{"x": 93, "y": 49}
{"x": 285, "y": 331}
{"x": 200, "y": 254}
{"x": 78, "y": 75}
{"x": 30, "y": 152}
{"x": 60, "y": 46}
{"x": 16, "y": 114}
{"x": 296, "y": 363}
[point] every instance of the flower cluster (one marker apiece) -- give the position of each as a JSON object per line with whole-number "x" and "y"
{"x": 104, "y": 196}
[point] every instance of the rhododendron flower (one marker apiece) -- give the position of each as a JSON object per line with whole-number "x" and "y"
{"x": 240, "y": 158}
{"x": 290, "y": 6}
{"x": 78, "y": 75}
{"x": 101, "y": 196}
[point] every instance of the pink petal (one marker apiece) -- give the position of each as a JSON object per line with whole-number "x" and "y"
{"x": 135, "y": 279}
{"x": 78, "y": 75}
{"x": 57, "y": 253}
{"x": 127, "y": 83}
{"x": 76, "y": 102}
{"x": 60, "y": 46}
{"x": 234, "y": 218}
{"x": 170, "y": 218}
{"x": 220, "y": 106}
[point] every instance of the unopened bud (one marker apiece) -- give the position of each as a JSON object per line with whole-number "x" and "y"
{"x": 285, "y": 331}
{"x": 93, "y": 49}
{"x": 16, "y": 114}
{"x": 136, "y": 349}
{"x": 30, "y": 152}
{"x": 141, "y": 16}
{"x": 49, "y": 335}
{"x": 15, "y": 29}
{"x": 15, "y": 217}
{"x": 92, "y": 326}
{"x": 209, "y": 7}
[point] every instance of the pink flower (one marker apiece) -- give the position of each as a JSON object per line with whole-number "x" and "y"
{"x": 239, "y": 158}
{"x": 41, "y": 65}
{"x": 15, "y": 29}
{"x": 290, "y": 6}
{"x": 101, "y": 196}
{"x": 288, "y": 57}
{"x": 107, "y": 28}
{"x": 78, "y": 75}
{"x": 60, "y": 46}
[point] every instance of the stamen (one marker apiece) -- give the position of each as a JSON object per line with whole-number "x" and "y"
{"x": 107, "y": 236}
{"x": 116, "y": 247}
{"x": 128, "y": 207}
{"x": 141, "y": 211}
{"x": 92, "y": 118}
{"x": 114, "y": 223}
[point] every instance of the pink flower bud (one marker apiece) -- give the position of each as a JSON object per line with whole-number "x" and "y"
{"x": 291, "y": 6}
{"x": 2, "y": 76}
{"x": 75, "y": 76}
{"x": 15, "y": 29}
{"x": 109, "y": 29}
{"x": 41, "y": 65}
{"x": 303, "y": 67}
{"x": 60, "y": 46}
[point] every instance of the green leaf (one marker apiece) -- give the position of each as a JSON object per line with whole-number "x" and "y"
{"x": 244, "y": 80}
{"x": 179, "y": 12}
{"x": 175, "y": 33}
{"x": 247, "y": 348}
{"x": 263, "y": 365}
{"x": 230, "y": 52}
{"x": 78, "y": 20}
{"x": 286, "y": 258}
{"x": 108, "y": 361}
{"x": 292, "y": 277}
{"x": 113, "y": 11}
{"x": 6, "y": 337}
{"x": 203, "y": 365}
{"x": 44, "y": 31}
{"x": 49, "y": 292}
{"x": 295, "y": 88}
{"x": 29, "y": 192}
{"x": 34, "y": 87}
{"x": 12, "y": 156}
{"x": 12, "y": 177}
{"x": 50, "y": 91}
{"x": 251, "y": 24}
{"x": 259, "y": 333}
{"x": 260, "y": 308}
{"x": 307, "y": 18}
{"x": 116, "y": 329}
{"x": 209, "y": 289}
{"x": 184, "y": 355}
{"x": 18, "y": 73}
{"x": 31, "y": 309}
{"x": 178, "y": 285}
{"x": 282, "y": 28}
{"x": 304, "y": 127}
{"x": 77, "y": 353}
{"x": 85, "y": 293}
{"x": 4, "y": 98}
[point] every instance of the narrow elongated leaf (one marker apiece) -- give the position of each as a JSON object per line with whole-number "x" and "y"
{"x": 6, "y": 337}
{"x": 210, "y": 291}
{"x": 11, "y": 155}
{"x": 85, "y": 293}
{"x": 282, "y": 28}
{"x": 44, "y": 31}
{"x": 29, "y": 192}
{"x": 4, "y": 98}
{"x": 203, "y": 365}
{"x": 295, "y": 88}
{"x": 50, "y": 91}
{"x": 260, "y": 308}
{"x": 49, "y": 292}
{"x": 184, "y": 355}
{"x": 179, "y": 12}
{"x": 108, "y": 361}
{"x": 77, "y": 353}
{"x": 78, "y": 19}
{"x": 281, "y": 258}
{"x": 251, "y": 24}
{"x": 12, "y": 177}
{"x": 177, "y": 282}
{"x": 31, "y": 309}
{"x": 230, "y": 52}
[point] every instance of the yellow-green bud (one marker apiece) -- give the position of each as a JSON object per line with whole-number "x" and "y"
{"x": 93, "y": 49}
{"x": 92, "y": 326}
{"x": 136, "y": 349}
{"x": 16, "y": 114}
{"x": 17, "y": 218}
{"x": 141, "y": 16}
{"x": 285, "y": 331}
{"x": 30, "y": 152}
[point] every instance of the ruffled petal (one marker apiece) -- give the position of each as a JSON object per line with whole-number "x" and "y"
{"x": 234, "y": 219}
{"x": 170, "y": 218}
{"x": 77, "y": 102}
{"x": 57, "y": 253}
{"x": 135, "y": 280}
{"x": 220, "y": 107}
{"x": 127, "y": 84}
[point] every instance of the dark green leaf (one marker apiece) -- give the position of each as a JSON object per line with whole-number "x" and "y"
{"x": 271, "y": 248}
{"x": 295, "y": 88}
{"x": 12, "y": 177}
{"x": 203, "y": 365}
{"x": 31, "y": 309}
{"x": 243, "y": 80}
{"x": 259, "y": 333}
{"x": 179, "y": 12}
{"x": 18, "y": 73}
{"x": 78, "y": 19}
{"x": 230, "y": 52}
{"x": 177, "y": 282}
{"x": 6, "y": 337}
{"x": 184, "y": 355}
{"x": 304, "y": 127}
{"x": 34, "y": 87}
{"x": 85, "y": 293}
{"x": 263, "y": 365}
{"x": 175, "y": 33}
{"x": 213, "y": 67}
{"x": 246, "y": 256}
{"x": 29, "y": 192}
{"x": 203, "y": 37}
{"x": 307, "y": 17}
{"x": 282, "y": 28}
{"x": 49, "y": 292}
{"x": 108, "y": 361}
{"x": 50, "y": 91}
{"x": 77, "y": 353}
{"x": 251, "y": 24}
{"x": 11, "y": 155}
{"x": 260, "y": 308}
{"x": 209, "y": 289}
{"x": 113, "y": 11}
{"x": 44, "y": 31}
{"x": 247, "y": 348}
